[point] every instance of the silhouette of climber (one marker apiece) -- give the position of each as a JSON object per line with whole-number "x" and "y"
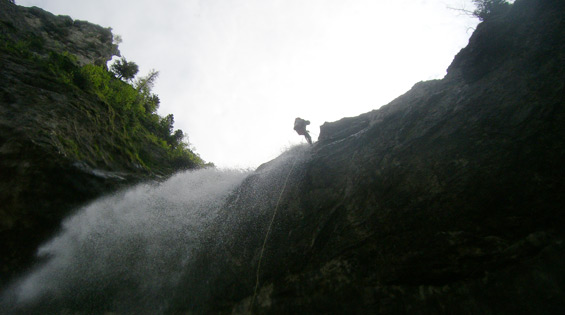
{"x": 300, "y": 127}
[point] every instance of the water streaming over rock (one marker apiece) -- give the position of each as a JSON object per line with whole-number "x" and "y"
{"x": 140, "y": 250}
{"x": 127, "y": 251}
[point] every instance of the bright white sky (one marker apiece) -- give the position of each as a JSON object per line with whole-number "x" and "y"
{"x": 235, "y": 73}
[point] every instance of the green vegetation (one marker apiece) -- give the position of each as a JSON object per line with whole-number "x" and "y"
{"x": 127, "y": 111}
{"x": 124, "y": 69}
{"x": 137, "y": 107}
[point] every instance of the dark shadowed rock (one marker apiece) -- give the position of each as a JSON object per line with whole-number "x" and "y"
{"x": 60, "y": 144}
{"x": 447, "y": 200}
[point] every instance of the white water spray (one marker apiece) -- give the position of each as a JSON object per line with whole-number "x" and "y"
{"x": 154, "y": 248}
{"x": 132, "y": 246}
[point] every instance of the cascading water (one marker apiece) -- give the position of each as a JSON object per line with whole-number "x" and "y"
{"x": 157, "y": 248}
{"x": 124, "y": 252}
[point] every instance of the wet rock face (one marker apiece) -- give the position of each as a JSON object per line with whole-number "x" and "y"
{"x": 449, "y": 199}
{"x": 41, "y": 181}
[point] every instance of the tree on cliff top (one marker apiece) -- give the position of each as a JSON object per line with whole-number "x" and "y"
{"x": 124, "y": 69}
{"x": 487, "y": 9}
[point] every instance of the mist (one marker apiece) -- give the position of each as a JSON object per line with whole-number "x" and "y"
{"x": 126, "y": 251}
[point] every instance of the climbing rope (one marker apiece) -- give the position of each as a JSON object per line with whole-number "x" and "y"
{"x": 267, "y": 236}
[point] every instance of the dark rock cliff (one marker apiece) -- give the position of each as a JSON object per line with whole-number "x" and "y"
{"x": 447, "y": 200}
{"x": 60, "y": 145}
{"x": 38, "y": 183}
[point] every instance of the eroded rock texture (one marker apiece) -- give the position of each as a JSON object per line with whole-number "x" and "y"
{"x": 449, "y": 199}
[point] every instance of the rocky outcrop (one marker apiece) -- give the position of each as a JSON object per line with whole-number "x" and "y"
{"x": 447, "y": 200}
{"x": 91, "y": 43}
{"x": 61, "y": 145}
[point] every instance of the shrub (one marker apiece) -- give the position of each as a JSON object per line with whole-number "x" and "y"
{"x": 124, "y": 69}
{"x": 487, "y": 9}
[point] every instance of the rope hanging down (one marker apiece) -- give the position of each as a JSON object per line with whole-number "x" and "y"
{"x": 267, "y": 235}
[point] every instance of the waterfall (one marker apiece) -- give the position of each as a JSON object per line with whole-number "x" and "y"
{"x": 158, "y": 247}
{"x": 124, "y": 252}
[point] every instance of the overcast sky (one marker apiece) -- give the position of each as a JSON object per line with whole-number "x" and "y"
{"x": 235, "y": 73}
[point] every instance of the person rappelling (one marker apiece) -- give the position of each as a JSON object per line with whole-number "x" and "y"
{"x": 300, "y": 128}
